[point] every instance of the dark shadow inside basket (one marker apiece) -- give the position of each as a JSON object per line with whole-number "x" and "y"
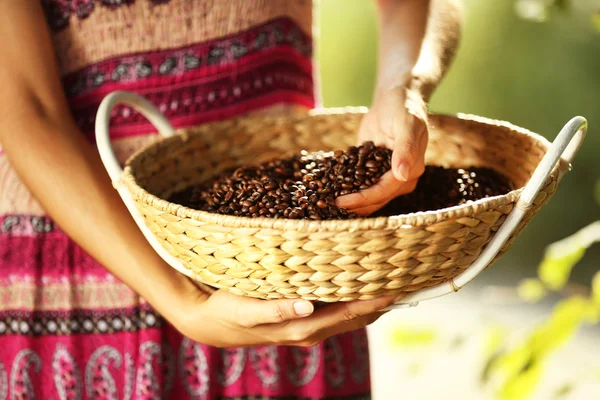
{"x": 200, "y": 153}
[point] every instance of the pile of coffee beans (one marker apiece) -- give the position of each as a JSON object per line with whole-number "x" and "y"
{"x": 305, "y": 186}
{"x": 301, "y": 186}
{"x": 440, "y": 188}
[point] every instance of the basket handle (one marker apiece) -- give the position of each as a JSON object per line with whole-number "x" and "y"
{"x": 139, "y": 104}
{"x": 115, "y": 171}
{"x": 565, "y": 146}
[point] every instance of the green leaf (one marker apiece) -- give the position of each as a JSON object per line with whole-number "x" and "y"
{"x": 555, "y": 270}
{"x": 597, "y": 186}
{"x": 412, "y": 337}
{"x": 561, "y": 256}
{"x": 492, "y": 344}
{"x": 522, "y": 385}
{"x": 597, "y": 22}
{"x": 531, "y": 290}
{"x": 596, "y": 288}
{"x": 563, "y": 391}
{"x": 488, "y": 367}
{"x": 514, "y": 362}
{"x": 566, "y": 318}
{"x": 493, "y": 339}
{"x": 592, "y": 313}
{"x": 520, "y": 367}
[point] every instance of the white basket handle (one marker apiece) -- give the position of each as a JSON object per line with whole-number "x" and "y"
{"x": 114, "y": 168}
{"x": 139, "y": 104}
{"x": 564, "y": 147}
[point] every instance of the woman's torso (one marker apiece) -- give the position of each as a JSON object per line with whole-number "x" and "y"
{"x": 67, "y": 326}
{"x": 197, "y": 61}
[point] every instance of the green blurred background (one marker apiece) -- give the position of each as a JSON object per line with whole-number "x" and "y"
{"x": 535, "y": 75}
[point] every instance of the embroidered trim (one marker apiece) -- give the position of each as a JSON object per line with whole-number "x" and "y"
{"x": 43, "y": 296}
{"x": 200, "y": 103}
{"x": 207, "y": 57}
{"x": 25, "y": 225}
{"x": 78, "y": 322}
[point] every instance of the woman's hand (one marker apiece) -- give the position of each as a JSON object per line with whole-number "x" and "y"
{"x": 223, "y": 319}
{"x": 397, "y": 120}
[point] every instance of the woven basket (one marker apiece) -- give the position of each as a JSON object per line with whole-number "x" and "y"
{"x": 413, "y": 257}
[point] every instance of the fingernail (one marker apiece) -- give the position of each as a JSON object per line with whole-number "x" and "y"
{"x": 303, "y": 308}
{"x": 403, "y": 170}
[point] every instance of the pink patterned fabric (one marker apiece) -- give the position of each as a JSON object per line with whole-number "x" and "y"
{"x": 68, "y": 328}
{"x": 194, "y": 85}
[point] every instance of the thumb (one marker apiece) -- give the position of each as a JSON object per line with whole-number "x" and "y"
{"x": 254, "y": 312}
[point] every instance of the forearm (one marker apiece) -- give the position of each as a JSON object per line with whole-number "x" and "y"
{"x": 418, "y": 40}
{"x": 57, "y": 164}
{"x": 64, "y": 172}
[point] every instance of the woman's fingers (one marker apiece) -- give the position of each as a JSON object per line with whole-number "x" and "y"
{"x": 328, "y": 319}
{"x": 383, "y": 190}
{"x": 249, "y": 313}
{"x": 335, "y": 319}
{"x": 343, "y": 312}
{"x": 367, "y": 201}
{"x": 410, "y": 142}
{"x": 228, "y": 320}
{"x": 341, "y": 328}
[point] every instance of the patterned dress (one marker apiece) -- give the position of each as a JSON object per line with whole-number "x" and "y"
{"x": 71, "y": 330}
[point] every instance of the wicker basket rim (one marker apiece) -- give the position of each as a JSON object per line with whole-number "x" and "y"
{"x": 351, "y": 225}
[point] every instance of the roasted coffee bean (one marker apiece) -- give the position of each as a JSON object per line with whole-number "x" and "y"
{"x": 306, "y": 185}
{"x": 371, "y": 164}
{"x": 379, "y": 156}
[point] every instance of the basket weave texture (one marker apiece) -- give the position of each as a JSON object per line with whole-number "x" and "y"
{"x": 328, "y": 260}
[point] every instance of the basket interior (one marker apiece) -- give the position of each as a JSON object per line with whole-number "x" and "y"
{"x": 200, "y": 153}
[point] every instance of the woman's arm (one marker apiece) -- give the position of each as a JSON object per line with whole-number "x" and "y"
{"x": 62, "y": 170}
{"x": 65, "y": 174}
{"x": 417, "y": 42}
